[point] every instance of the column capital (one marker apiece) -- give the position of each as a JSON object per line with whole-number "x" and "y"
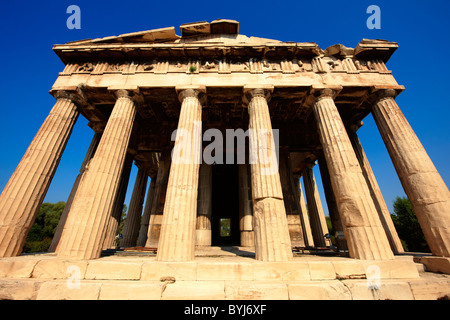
{"x": 132, "y": 94}
{"x": 74, "y": 94}
{"x": 194, "y": 91}
{"x": 255, "y": 91}
{"x": 321, "y": 92}
{"x": 380, "y": 93}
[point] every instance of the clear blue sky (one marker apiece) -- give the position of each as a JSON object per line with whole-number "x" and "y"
{"x": 421, "y": 64}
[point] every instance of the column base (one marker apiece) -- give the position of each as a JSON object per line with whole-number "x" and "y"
{"x": 247, "y": 238}
{"x": 202, "y": 237}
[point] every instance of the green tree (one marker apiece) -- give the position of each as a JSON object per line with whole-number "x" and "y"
{"x": 41, "y": 233}
{"x": 122, "y": 219}
{"x": 408, "y": 227}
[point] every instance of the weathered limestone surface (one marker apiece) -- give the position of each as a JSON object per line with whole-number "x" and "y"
{"x": 377, "y": 196}
{"x": 154, "y": 227}
{"x": 145, "y": 220}
{"x": 133, "y": 221}
{"x": 365, "y": 235}
{"x": 307, "y": 233}
{"x": 177, "y": 238}
{"x": 323, "y": 278}
{"x": 23, "y": 195}
{"x": 89, "y": 154}
{"x": 204, "y": 206}
{"x": 291, "y": 202}
{"x": 272, "y": 241}
{"x": 333, "y": 210}
{"x": 422, "y": 183}
{"x": 245, "y": 207}
{"x": 86, "y": 227}
{"x": 114, "y": 219}
{"x": 316, "y": 215}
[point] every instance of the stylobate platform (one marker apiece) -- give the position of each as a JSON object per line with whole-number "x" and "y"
{"x": 218, "y": 273}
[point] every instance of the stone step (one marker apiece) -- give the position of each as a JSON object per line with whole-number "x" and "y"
{"x": 351, "y": 289}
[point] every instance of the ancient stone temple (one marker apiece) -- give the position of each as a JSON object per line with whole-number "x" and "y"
{"x": 153, "y": 96}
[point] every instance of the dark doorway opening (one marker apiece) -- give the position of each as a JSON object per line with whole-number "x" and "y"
{"x": 225, "y": 205}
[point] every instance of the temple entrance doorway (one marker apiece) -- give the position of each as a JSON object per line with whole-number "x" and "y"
{"x": 225, "y": 205}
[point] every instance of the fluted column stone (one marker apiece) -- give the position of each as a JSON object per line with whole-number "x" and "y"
{"x": 177, "y": 238}
{"x": 145, "y": 221}
{"x": 26, "y": 189}
{"x": 375, "y": 192}
{"x": 272, "y": 240}
{"x": 133, "y": 221}
{"x": 304, "y": 218}
{"x": 62, "y": 220}
{"x": 333, "y": 210}
{"x": 204, "y": 206}
{"x": 365, "y": 235}
{"x": 291, "y": 202}
{"x": 425, "y": 188}
{"x": 156, "y": 212}
{"x": 119, "y": 201}
{"x": 316, "y": 214}
{"x": 245, "y": 207}
{"x": 87, "y": 224}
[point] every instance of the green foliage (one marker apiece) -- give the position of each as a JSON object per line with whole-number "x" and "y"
{"x": 122, "y": 219}
{"x": 40, "y": 236}
{"x": 330, "y": 229}
{"x": 408, "y": 227}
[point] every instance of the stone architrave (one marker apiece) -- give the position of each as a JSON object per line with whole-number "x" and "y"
{"x": 26, "y": 189}
{"x": 177, "y": 238}
{"x": 86, "y": 227}
{"x": 425, "y": 188}
{"x": 272, "y": 240}
{"x": 204, "y": 206}
{"x": 377, "y": 196}
{"x": 363, "y": 231}
{"x": 316, "y": 215}
{"x": 65, "y": 213}
{"x": 132, "y": 224}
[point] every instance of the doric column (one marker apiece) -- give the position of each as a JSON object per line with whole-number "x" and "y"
{"x": 333, "y": 210}
{"x": 145, "y": 220}
{"x": 316, "y": 215}
{"x": 365, "y": 235}
{"x": 117, "y": 211}
{"x": 62, "y": 220}
{"x": 421, "y": 181}
{"x": 291, "y": 203}
{"x": 204, "y": 206}
{"x": 156, "y": 212}
{"x": 272, "y": 241}
{"x": 304, "y": 218}
{"x": 133, "y": 221}
{"x": 177, "y": 238}
{"x": 87, "y": 224}
{"x": 26, "y": 189}
{"x": 245, "y": 207}
{"x": 375, "y": 192}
